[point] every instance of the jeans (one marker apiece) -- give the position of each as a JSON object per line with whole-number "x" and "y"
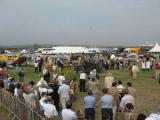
{"x": 36, "y": 69}
{"x": 90, "y": 113}
{"x": 82, "y": 85}
{"x": 107, "y": 114}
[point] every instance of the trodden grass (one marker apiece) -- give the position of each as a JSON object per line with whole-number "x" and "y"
{"x": 147, "y": 89}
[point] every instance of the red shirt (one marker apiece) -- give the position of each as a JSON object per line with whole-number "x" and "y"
{"x": 158, "y": 67}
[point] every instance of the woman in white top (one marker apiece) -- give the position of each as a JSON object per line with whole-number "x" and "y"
{"x": 143, "y": 65}
{"x": 148, "y": 65}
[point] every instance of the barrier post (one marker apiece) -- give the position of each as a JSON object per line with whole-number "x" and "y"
{"x": 17, "y": 107}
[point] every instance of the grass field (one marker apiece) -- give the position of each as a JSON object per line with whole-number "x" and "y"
{"x": 147, "y": 89}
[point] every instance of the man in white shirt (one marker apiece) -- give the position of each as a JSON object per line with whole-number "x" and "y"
{"x": 63, "y": 92}
{"x": 127, "y": 98}
{"x": 61, "y": 78}
{"x": 83, "y": 77}
{"x": 50, "y": 111}
{"x": 68, "y": 114}
{"x": 36, "y": 66}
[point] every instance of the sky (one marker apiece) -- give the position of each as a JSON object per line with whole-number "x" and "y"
{"x": 79, "y": 22}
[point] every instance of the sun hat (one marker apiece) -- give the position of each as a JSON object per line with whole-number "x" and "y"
{"x": 109, "y": 74}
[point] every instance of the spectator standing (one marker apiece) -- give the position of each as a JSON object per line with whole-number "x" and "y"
{"x": 21, "y": 75}
{"x": 156, "y": 115}
{"x": 40, "y": 64}
{"x": 114, "y": 92}
{"x": 148, "y": 65}
{"x": 127, "y": 98}
{"x": 135, "y": 71}
{"x": 131, "y": 90}
{"x": 54, "y": 94}
{"x": 47, "y": 77}
{"x": 36, "y": 67}
{"x": 67, "y": 113}
{"x": 61, "y": 78}
{"x": 106, "y": 105}
{"x": 12, "y": 85}
{"x": 128, "y": 112}
{"x": 6, "y": 82}
{"x": 50, "y": 111}
{"x": 30, "y": 98}
{"x": 41, "y": 82}
{"x": 109, "y": 79}
{"x": 120, "y": 89}
{"x": 63, "y": 92}
{"x": 73, "y": 87}
{"x": 157, "y": 68}
{"x": 141, "y": 117}
{"x": 83, "y": 77}
{"x": 89, "y": 103}
{"x": 143, "y": 65}
{"x": 80, "y": 115}
{"x": 45, "y": 88}
{"x": 93, "y": 86}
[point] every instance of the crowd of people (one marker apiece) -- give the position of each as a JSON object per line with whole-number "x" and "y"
{"x": 52, "y": 96}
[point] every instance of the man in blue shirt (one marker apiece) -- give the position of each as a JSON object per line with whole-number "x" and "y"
{"x": 89, "y": 103}
{"x": 106, "y": 105}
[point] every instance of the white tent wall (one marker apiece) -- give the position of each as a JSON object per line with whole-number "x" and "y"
{"x": 69, "y": 50}
{"x": 155, "y": 49}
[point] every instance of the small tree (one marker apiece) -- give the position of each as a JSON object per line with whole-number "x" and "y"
{"x": 36, "y": 46}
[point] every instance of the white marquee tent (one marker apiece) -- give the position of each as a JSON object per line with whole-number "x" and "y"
{"x": 69, "y": 50}
{"x": 155, "y": 49}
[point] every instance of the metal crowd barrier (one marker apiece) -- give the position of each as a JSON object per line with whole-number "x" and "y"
{"x": 18, "y": 109}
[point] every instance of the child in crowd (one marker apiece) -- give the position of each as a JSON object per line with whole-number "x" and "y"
{"x": 128, "y": 111}
{"x": 80, "y": 115}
